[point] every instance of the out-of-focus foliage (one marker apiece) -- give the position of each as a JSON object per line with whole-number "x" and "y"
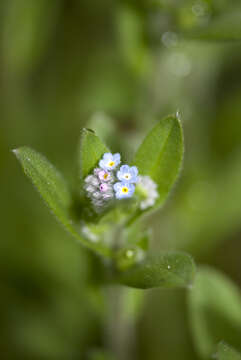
{"x": 114, "y": 67}
{"x": 225, "y": 352}
{"x": 215, "y": 312}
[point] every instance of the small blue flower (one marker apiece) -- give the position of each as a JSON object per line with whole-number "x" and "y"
{"x": 109, "y": 161}
{"x": 124, "y": 190}
{"x": 128, "y": 174}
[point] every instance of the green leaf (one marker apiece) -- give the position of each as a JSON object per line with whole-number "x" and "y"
{"x": 215, "y": 311}
{"x": 172, "y": 269}
{"x": 225, "y": 352}
{"x": 54, "y": 191}
{"x": 160, "y": 155}
{"x": 91, "y": 151}
{"x": 226, "y": 27}
{"x": 47, "y": 180}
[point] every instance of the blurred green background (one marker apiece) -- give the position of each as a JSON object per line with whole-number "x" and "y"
{"x": 117, "y": 67}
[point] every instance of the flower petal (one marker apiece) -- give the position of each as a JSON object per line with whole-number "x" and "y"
{"x": 117, "y": 186}
{"x": 116, "y": 157}
{"x": 107, "y": 156}
{"x": 125, "y": 169}
{"x": 134, "y": 170}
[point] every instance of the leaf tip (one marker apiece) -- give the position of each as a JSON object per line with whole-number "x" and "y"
{"x": 178, "y": 115}
{"x": 87, "y": 130}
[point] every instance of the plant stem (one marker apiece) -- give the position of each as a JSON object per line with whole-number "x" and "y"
{"x": 120, "y": 325}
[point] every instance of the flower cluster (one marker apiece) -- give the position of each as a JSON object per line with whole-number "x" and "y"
{"x": 110, "y": 180}
{"x": 148, "y": 189}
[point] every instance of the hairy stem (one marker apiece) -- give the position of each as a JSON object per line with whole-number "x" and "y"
{"x": 120, "y": 325}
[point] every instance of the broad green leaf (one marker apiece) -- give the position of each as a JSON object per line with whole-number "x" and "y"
{"x": 54, "y": 191}
{"x": 215, "y": 311}
{"x": 224, "y": 27}
{"x": 91, "y": 151}
{"x": 160, "y": 155}
{"x": 225, "y": 352}
{"x": 172, "y": 269}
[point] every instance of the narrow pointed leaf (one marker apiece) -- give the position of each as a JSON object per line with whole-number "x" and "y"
{"x": 160, "y": 155}
{"x": 91, "y": 151}
{"x": 215, "y": 312}
{"x": 48, "y": 181}
{"x": 226, "y": 352}
{"x": 54, "y": 191}
{"x": 172, "y": 269}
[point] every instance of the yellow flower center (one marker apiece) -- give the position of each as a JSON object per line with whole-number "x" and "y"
{"x": 111, "y": 163}
{"x": 125, "y": 190}
{"x": 105, "y": 176}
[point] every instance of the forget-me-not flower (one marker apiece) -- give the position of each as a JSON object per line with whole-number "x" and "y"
{"x": 124, "y": 190}
{"x": 100, "y": 193}
{"x": 128, "y": 174}
{"x": 104, "y": 175}
{"x": 109, "y": 161}
{"x": 148, "y": 189}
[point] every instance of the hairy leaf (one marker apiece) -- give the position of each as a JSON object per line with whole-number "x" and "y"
{"x": 172, "y": 269}
{"x": 160, "y": 155}
{"x": 91, "y": 151}
{"x": 54, "y": 191}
